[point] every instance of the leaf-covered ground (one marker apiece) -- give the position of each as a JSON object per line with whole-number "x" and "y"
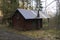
{"x": 12, "y": 34}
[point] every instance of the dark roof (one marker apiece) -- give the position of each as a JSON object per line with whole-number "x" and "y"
{"x": 30, "y": 14}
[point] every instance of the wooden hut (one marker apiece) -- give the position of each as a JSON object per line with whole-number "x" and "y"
{"x": 27, "y": 19}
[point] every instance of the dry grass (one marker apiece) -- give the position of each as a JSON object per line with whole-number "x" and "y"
{"x": 39, "y": 33}
{"x": 51, "y": 34}
{"x": 46, "y": 34}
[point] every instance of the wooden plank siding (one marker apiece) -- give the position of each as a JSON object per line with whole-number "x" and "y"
{"x": 25, "y": 24}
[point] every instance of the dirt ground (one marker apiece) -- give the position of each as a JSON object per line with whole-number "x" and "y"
{"x": 8, "y": 35}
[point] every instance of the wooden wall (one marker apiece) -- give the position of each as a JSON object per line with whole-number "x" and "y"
{"x": 22, "y": 24}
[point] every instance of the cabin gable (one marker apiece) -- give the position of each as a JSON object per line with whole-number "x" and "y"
{"x": 18, "y": 20}
{"x": 27, "y": 20}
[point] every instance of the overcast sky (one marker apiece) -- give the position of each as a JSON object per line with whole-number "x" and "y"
{"x": 51, "y": 7}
